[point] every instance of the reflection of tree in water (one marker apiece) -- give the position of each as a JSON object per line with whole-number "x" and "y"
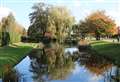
{"x": 50, "y": 63}
{"x": 116, "y": 77}
{"x": 99, "y": 65}
{"x": 96, "y": 64}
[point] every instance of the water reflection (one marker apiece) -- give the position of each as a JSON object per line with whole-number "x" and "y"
{"x": 98, "y": 65}
{"x": 51, "y": 63}
{"x": 55, "y": 63}
{"x": 9, "y": 74}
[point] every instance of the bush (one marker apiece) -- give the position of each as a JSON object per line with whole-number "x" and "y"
{"x": 45, "y": 40}
{"x": 5, "y": 38}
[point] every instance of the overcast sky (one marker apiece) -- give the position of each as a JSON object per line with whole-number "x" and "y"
{"x": 79, "y": 8}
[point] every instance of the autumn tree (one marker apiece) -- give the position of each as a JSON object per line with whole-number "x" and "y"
{"x": 10, "y": 30}
{"x": 99, "y": 24}
{"x": 15, "y": 29}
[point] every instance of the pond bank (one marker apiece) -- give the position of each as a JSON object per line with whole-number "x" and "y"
{"x": 13, "y": 54}
{"x": 57, "y": 63}
{"x": 33, "y": 69}
{"x": 109, "y": 49}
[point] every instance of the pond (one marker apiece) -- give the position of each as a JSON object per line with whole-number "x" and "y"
{"x": 60, "y": 64}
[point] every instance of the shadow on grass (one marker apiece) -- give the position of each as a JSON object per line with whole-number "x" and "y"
{"x": 111, "y": 50}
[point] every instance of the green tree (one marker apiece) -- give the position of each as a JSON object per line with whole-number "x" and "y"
{"x": 5, "y": 37}
{"x": 39, "y": 20}
{"x": 81, "y": 29}
{"x": 0, "y": 32}
{"x": 46, "y": 18}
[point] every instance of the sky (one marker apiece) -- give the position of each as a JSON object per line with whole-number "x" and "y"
{"x": 78, "y": 8}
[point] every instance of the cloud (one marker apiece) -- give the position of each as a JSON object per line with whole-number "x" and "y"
{"x": 5, "y": 11}
{"x": 100, "y": 0}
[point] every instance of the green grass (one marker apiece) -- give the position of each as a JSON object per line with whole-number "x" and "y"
{"x": 109, "y": 49}
{"x": 12, "y": 54}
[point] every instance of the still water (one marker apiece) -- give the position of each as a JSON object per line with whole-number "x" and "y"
{"x": 65, "y": 65}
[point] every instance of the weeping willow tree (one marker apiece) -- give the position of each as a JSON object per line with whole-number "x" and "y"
{"x": 63, "y": 22}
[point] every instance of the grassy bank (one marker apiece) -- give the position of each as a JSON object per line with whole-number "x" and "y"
{"x": 109, "y": 49}
{"x": 12, "y": 54}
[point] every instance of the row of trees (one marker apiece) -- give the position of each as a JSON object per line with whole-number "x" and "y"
{"x": 97, "y": 24}
{"x": 56, "y": 21}
{"x": 59, "y": 23}
{"x": 10, "y": 30}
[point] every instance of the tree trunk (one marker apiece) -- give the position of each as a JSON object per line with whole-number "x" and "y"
{"x": 97, "y": 35}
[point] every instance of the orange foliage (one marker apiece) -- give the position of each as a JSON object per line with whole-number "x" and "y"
{"x": 100, "y": 15}
{"x": 106, "y": 20}
{"x": 98, "y": 70}
{"x": 112, "y": 30}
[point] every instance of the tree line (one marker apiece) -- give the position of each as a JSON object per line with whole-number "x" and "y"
{"x": 51, "y": 21}
{"x": 57, "y": 22}
{"x": 10, "y": 30}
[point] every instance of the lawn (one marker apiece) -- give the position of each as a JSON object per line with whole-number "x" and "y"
{"x": 12, "y": 54}
{"x": 109, "y": 49}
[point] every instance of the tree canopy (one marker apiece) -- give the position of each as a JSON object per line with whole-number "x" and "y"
{"x": 98, "y": 23}
{"x": 48, "y": 18}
